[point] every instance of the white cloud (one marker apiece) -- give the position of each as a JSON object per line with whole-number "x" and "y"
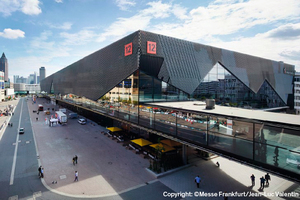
{"x": 140, "y": 21}
{"x": 29, "y": 7}
{"x": 59, "y": 1}
{"x": 123, "y": 26}
{"x": 157, "y": 10}
{"x": 228, "y": 17}
{"x": 41, "y": 43}
{"x": 179, "y": 11}
{"x": 125, "y": 4}
{"x": 9, "y": 6}
{"x": 12, "y": 33}
{"x": 82, "y": 37}
{"x": 64, "y": 26}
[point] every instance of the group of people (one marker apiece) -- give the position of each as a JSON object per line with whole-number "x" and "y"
{"x": 263, "y": 180}
{"x": 75, "y": 161}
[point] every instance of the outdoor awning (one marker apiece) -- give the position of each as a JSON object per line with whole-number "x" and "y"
{"x": 165, "y": 147}
{"x": 171, "y": 143}
{"x": 141, "y": 142}
{"x": 114, "y": 129}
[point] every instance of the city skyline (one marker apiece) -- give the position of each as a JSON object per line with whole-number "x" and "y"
{"x": 31, "y": 35}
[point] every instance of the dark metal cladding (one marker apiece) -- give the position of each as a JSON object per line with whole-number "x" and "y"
{"x": 180, "y": 63}
{"x": 96, "y": 74}
{"x": 187, "y": 63}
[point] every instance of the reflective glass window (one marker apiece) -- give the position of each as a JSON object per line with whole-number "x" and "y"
{"x": 192, "y": 127}
{"x": 165, "y": 120}
{"x": 277, "y": 146}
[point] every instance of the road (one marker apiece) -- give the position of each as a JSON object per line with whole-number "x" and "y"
{"x": 19, "y": 166}
{"x": 19, "y": 178}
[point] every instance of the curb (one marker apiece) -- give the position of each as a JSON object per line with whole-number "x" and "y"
{"x": 168, "y": 172}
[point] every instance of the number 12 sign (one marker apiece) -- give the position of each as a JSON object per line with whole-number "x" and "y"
{"x": 151, "y": 47}
{"x": 128, "y": 49}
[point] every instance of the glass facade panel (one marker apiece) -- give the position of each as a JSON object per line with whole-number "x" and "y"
{"x": 231, "y": 135}
{"x": 277, "y": 146}
{"x": 146, "y": 116}
{"x": 165, "y": 121}
{"x": 192, "y": 127}
{"x": 152, "y": 89}
{"x": 226, "y": 89}
{"x": 121, "y": 101}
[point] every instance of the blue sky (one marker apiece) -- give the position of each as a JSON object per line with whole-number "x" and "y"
{"x": 57, "y": 33}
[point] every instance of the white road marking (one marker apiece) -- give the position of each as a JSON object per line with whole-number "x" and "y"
{"x": 63, "y": 177}
{"x": 13, "y": 168}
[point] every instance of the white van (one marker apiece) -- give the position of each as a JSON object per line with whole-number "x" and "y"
{"x": 63, "y": 110}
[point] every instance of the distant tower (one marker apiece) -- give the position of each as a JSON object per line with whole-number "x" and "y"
{"x": 42, "y": 73}
{"x": 4, "y": 67}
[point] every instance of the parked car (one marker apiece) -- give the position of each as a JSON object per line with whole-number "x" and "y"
{"x": 82, "y": 121}
{"x": 73, "y": 115}
{"x": 21, "y": 131}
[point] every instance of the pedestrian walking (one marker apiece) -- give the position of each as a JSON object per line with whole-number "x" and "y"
{"x": 76, "y": 159}
{"x": 73, "y": 160}
{"x": 252, "y": 177}
{"x": 76, "y": 176}
{"x": 262, "y": 182}
{"x": 40, "y": 169}
{"x": 42, "y": 172}
{"x": 197, "y": 181}
{"x": 268, "y": 178}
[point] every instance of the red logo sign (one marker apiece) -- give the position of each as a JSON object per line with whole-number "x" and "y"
{"x": 151, "y": 47}
{"x": 128, "y": 49}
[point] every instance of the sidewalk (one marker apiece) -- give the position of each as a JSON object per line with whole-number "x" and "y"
{"x": 229, "y": 177}
{"x": 105, "y": 167}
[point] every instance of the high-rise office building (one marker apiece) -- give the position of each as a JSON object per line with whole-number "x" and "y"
{"x": 4, "y": 66}
{"x": 42, "y": 73}
{"x": 32, "y": 78}
{"x": 16, "y": 77}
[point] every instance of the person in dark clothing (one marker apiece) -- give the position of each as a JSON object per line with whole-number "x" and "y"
{"x": 40, "y": 169}
{"x": 252, "y": 177}
{"x": 42, "y": 173}
{"x": 76, "y": 159}
{"x": 262, "y": 182}
{"x": 268, "y": 178}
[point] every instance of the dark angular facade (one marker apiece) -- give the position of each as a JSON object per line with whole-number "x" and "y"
{"x": 180, "y": 63}
{"x": 124, "y": 77}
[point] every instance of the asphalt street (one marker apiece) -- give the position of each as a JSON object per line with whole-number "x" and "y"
{"x": 20, "y": 160}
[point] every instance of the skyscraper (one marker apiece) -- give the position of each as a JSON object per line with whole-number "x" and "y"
{"x": 32, "y": 78}
{"x": 42, "y": 73}
{"x": 4, "y": 66}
